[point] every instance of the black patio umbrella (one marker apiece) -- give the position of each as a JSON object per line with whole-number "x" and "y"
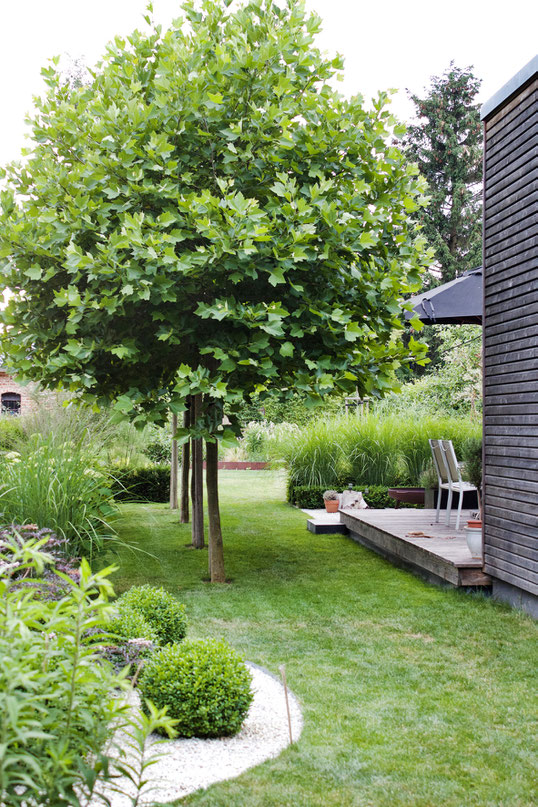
{"x": 459, "y": 302}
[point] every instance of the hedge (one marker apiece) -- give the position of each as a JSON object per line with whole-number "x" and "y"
{"x": 311, "y": 498}
{"x": 143, "y": 484}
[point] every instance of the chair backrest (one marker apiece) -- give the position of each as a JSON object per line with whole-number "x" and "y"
{"x": 439, "y": 461}
{"x": 451, "y": 461}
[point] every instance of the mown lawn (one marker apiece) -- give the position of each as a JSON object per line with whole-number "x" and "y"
{"x": 412, "y": 695}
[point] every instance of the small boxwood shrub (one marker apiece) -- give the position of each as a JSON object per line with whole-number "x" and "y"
{"x": 160, "y": 608}
{"x": 204, "y": 684}
{"x": 129, "y": 623}
{"x": 142, "y": 484}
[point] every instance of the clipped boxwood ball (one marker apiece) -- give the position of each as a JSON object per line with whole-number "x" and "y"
{"x": 128, "y": 623}
{"x": 161, "y": 609}
{"x": 204, "y": 684}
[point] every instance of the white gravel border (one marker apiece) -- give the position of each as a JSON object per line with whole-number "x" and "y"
{"x": 190, "y": 764}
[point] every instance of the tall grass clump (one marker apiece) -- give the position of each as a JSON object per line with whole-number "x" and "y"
{"x": 369, "y": 449}
{"x": 58, "y": 484}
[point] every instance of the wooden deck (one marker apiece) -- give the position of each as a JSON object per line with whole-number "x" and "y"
{"x": 440, "y": 554}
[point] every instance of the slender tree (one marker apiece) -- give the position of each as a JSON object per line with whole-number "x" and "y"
{"x": 210, "y": 218}
{"x": 446, "y": 142}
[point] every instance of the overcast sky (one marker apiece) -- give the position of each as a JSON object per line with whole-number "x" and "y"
{"x": 385, "y": 44}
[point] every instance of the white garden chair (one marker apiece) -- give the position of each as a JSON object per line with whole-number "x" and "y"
{"x": 449, "y": 477}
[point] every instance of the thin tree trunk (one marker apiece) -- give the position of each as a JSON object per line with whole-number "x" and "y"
{"x": 216, "y": 552}
{"x": 197, "y": 486}
{"x": 173, "y": 467}
{"x": 185, "y": 468}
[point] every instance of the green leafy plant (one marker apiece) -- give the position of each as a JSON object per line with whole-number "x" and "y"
{"x": 11, "y": 432}
{"x": 210, "y": 185}
{"x": 330, "y": 495}
{"x": 56, "y": 704}
{"x": 61, "y": 485}
{"x": 204, "y": 684}
{"x": 160, "y": 609}
{"x": 142, "y": 484}
{"x": 129, "y": 623}
{"x": 472, "y": 458}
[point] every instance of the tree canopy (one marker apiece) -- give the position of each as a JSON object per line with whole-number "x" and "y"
{"x": 208, "y": 215}
{"x": 447, "y": 145}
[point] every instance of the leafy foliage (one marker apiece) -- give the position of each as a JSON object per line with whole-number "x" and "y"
{"x": 310, "y": 497}
{"x": 160, "y": 609}
{"x": 472, "y": 457}
{"x": 53, "y": 685}
{"x": 210, "y": 186}
{"x": 57, "y": 704}
{"x": 129, "y": 623}
{"x": 142, "y": 484}
{"x": 11, "y": 432}
{"x": 447, "y": 145}
{"x": 204, "y": 684}
{"x": 453, "y": 386}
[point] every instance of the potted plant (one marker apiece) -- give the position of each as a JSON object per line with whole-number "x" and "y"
{"x": 331, "y": 499}
{"x": 472, "y": 457}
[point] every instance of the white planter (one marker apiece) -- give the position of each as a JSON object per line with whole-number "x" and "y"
{"x": 474, "y": 541}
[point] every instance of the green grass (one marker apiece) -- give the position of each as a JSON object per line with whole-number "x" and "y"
{"x": 412, "y": 695}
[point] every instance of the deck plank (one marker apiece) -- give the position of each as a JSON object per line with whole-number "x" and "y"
{"x": 441, "y": 552}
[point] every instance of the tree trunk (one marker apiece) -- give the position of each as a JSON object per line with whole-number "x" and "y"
{"x": 173, "y": 467}
{"x": 197, "y": 485}
{"x": 216, "y": 553}
{"x": 185, "y": 468}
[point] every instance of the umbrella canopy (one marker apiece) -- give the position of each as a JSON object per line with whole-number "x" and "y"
{"x": 459, "y": 302}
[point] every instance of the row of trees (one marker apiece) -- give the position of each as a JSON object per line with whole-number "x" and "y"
{"x": 208, "y": 220}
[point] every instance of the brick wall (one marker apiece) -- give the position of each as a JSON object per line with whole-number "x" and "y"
{"x": 28, "y": 395}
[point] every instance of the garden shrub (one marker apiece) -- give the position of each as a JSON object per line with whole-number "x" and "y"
{"x": 142, "y": 484}
{"x": 46, "y": 730}
{"x": 160, "y": 608}
{"x": 311, "y": 497}
{"x": 204, "y": 684}
{"x": 11, "y": 432}
{"x": 129, "y": 623}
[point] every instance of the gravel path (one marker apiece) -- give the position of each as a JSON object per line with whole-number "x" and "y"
{"x": 187, "y": 765}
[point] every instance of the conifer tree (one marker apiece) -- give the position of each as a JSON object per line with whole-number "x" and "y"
{"x": 447, "y": 145}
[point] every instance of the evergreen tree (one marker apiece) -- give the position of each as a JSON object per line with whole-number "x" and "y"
{"x": 447, "y": 145}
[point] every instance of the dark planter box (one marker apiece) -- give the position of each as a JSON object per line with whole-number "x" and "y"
{"x": 470, "y": 500}
{"x": 407, "y": 495}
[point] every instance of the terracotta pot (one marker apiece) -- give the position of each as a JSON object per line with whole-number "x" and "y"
{"x": 475, "y": 523}
{"x": 331, "y": 505}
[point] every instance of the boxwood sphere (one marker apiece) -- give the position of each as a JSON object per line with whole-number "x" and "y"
{"x": 204, "y": 684}
{"x": 128, "y": 623}
{"x": 161, "y": 609}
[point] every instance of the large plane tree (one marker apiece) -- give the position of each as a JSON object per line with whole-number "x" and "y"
{"x": 210, "y": 219}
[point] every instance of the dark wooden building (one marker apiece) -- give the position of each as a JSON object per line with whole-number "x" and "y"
{"x": 511, "y": 340}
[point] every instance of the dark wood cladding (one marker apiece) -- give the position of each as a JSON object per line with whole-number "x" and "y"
{"x": 511, "y": 340}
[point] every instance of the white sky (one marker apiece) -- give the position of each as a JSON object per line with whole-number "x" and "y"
{"x": 388, "y": 43}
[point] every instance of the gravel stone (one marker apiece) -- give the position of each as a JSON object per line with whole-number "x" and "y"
{"x": 189, "y": 764}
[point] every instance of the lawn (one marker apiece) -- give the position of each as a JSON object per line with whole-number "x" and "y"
{"x": 412, "y": 695}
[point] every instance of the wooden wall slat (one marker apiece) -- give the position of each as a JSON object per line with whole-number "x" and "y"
{"x": 524, "y": 575}
{"x": 505, "y": 212}
{"x": 529, "y": 545}
{"x": 524, "y": 97}
{"x": 515, "y": 181}
{"x": 509, "y": 172}
{"x": 508, "y": 577}
{"x": 511, "y": 341}
{"x": 525, "y": 193}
